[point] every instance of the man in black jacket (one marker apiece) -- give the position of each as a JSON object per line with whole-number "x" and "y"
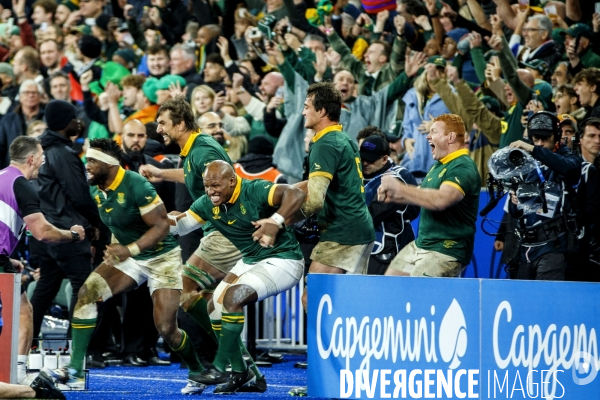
{"x": 391, "y": 220}
{"x": 65, "y": 200}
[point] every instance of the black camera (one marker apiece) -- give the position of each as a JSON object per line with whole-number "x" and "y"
{"x": 307, "y": 231}
{"x": 516, "y": 158}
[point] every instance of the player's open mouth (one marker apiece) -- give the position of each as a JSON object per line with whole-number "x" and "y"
{"x": 90, "y": 176}
{"x": 432, "y": 147}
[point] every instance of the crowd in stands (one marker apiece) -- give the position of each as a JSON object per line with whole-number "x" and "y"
{"x": 245, "y": 68}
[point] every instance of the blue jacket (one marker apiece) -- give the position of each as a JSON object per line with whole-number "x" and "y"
{"x": 422, "y": 160}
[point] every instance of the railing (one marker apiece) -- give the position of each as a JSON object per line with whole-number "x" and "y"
{"x": 279, "y": 322}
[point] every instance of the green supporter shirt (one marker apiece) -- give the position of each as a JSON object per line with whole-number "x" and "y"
{"x": 452, "y": 231}
{"x": 198, "y": 152}
{"x": 512, "y": 129}
{"x": 122, "y": 206}
{"x": 344, "y": 218}
{"x": 251, "y": 201}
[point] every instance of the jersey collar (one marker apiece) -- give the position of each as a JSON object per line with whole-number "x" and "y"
{"x": 454, "y": 155}
{"x": 337, "y": 127}
{"x": 236, "y": 191}
{"x": 189, "y": 143}
{"x": 117, "y": 181}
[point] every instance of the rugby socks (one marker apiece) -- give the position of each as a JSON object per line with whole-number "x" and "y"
{"x": 199, "y": 313}
{"x": 81, "y": 330}
{"x": 216, "y": 325}
{"x": 186, "y": 352}
{"x": 229, "y": 348}
{"x": 21, "y": 367}
{"x": 252, "y": 365}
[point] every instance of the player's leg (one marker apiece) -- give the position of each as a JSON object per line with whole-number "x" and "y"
{"x": 336, "y": 258}
{"x": 166, "y": 304}
{"x": 203, "y": 271}
{"x": 199, "y": 280}
{"x": 105, "y": 282}
{"x": 25, "y": 338}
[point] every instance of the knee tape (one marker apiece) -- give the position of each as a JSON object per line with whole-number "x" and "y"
{"x": 217, "y": 298}
{"x": 97, "y": 288}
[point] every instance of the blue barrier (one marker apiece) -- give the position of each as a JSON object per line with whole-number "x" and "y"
{"x": 482, "y": 264}
{"x": 398, "y": 337}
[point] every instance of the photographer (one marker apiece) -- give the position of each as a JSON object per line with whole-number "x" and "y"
{"x": 544, "y": 235}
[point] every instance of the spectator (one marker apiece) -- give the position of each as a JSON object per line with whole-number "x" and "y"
{"x": 14, "y": 124}
{"x": 567, "y": 102}
{"x": 587, "y": 86}
{"x": 157, "y": 58}
{"x": 578, "y": 43}
{"x": 561, "y": 75}
{"x": 589, "y": 142}
{"x": 43, "y": 12}
{"x": 538, "y": 41}
{"x": 182, "y": 64}
{"x": 422, "y": 105}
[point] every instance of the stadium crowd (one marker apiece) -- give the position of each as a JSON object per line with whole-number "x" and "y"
{"x": 356, "y": 118}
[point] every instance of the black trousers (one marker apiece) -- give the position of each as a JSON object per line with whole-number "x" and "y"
{"x": 72, "y": 261}
{"x": 139, "y": 333}
{"x": 548, "y": 267}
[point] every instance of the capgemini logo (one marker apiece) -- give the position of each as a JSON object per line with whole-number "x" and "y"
{"x": 584, "y": 368}
{"x": 452, "y": 339}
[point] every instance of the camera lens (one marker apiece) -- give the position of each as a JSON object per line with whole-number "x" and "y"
{"x": 516, "y": 158}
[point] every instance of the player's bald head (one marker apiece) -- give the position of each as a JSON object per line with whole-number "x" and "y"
{"x": 219, "y": 169}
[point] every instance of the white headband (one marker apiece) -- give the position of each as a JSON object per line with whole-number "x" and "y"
{"x": 100, "y": 156}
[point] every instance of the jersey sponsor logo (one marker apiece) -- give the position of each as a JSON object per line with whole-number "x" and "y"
{"x": 121, "y": 198}
{"x": 442, "y": 173}
{"x": 267, "y": 186}
{"x": 449, "y": 243}
{"x": 189, "y": 168}
{"x": 149, "y": 198}
{"x": 231, "y": 222}
{"x": 456, "y": 179}
{"x": 317, "y": 166}
{"x": 97, "y": 198}
{"x": 108, "y": 210}
{"x": 242, "y": 209}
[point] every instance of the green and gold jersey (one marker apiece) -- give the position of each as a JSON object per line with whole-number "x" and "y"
{"x": 344, "y": 218}
{"x": 122, "y": 206}
{"x": 198, "y": 152}
{"x": 452, "y": 231}
{"x": 251, "y": 201}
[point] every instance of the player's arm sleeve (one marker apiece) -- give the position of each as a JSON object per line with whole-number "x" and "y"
{"x": 189, "y": 221}
{"x": 145, "y": 197}
{"x": 27, "y": 198}
{"x": 462, "y": 179}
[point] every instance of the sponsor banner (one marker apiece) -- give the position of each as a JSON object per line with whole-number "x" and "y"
{"x": 376, "y": 337}
{"x": 392, "y": 337}
{"x": 540, "y": 340}
{"x": 10, "y": 285}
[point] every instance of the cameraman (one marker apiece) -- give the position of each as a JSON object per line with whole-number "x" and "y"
{"x": 544, "y": 235}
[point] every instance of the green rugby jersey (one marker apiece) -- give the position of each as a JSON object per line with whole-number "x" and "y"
{"x": 452, "y": 231}
{"x": 199, "y": 151}
{"x": 344, "y": 218}
{"x": 121, "y": 208}
{"x": 251, "y": 201}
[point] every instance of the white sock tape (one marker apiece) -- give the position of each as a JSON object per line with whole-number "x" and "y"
{"x": 100, "y": 156}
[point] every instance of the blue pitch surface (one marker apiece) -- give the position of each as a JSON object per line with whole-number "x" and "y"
{"x": 166, "y": 383}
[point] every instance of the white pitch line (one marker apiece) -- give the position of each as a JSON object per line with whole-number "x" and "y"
{"x": 137, "y": 378}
